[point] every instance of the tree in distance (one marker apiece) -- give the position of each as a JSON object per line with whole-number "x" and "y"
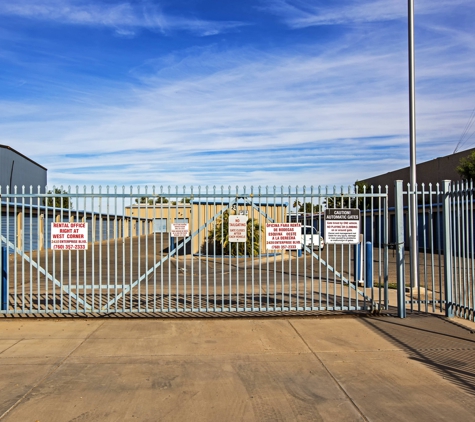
{"x": 360, "y": 202}
{"x": 307, "y": 207}
{"x": 151, "y": 201}
{"x": 58, "y": 201}
{"x": 466, "y": 167}
{"x": 220, "y": 235}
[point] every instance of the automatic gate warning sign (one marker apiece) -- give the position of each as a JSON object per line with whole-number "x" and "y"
{"x": 283, "y": 236}
{"x": 342, "y": 226}
{"x": 68, "y": 236}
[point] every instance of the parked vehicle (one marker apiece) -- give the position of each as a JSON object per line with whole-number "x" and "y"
{"x": 311, "y": 238}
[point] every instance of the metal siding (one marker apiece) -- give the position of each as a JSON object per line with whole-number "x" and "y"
{"x": 25, "y": 173}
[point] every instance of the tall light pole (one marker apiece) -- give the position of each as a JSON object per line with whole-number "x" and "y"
{"x": 412, "y": 136}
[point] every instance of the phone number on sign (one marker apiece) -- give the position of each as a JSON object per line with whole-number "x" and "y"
{"x": 69, "y": 247}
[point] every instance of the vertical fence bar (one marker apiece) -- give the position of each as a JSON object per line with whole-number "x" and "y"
{"x": 440, "y": 232}
{"x": 400, "y": 257}
{"x": 431, "y": 234}
{"x": 267, "y": 259}
{"x": 386, "y": 250}
{"x": 223, "y": 259}
{"x": 184, "y": 248}
{"x": 22, "y": 241}
{"x": 456, "y": 222}
{"x": 154, "y": 236}
{"x": 107, "y": 251}
{"x": 424, "y": 250}
{"x": 4, "y": 286}
{"x": 3, "y": 262}
{"x": 85, "y": 266}
{"x": 93, "y": 250}
{"x": 466, "y": 297}
{"x": 215, "y": 222}
{"x": 472, "y": 253}
{"x": 116, "y": 235}
{"x": 449, "y": 310}
{"x": 380, "y": 242}
{"x": 15, "y": 259}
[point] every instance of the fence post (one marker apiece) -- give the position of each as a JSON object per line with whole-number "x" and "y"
{"x": 369, "y": 265}
{"x": 41, "y": 231}
{"x": 449, "y": 309}
{"x": 4, "y": 297}
{"x": 400, "y": 259}
{"x": 357, "y": 262}
{"x": 19, "y": 230}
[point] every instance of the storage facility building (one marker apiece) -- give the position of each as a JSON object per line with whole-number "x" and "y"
{"x": 18, "y": 170}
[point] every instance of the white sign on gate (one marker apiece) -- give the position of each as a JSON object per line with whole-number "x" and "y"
{"x": 283, "y": 236}
{"x": 180, "y": 230}
{"x": 237, "y": 228}
{"x": 68, "y": 236}
{"x": 342, "y": 226}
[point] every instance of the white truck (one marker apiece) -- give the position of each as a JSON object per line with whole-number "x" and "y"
{"x": 311, "y": 238}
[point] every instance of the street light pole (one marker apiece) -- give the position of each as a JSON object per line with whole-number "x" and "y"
{"x": 412, "y": 133}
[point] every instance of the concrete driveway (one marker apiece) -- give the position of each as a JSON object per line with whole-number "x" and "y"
{"x": 243, "y": 369}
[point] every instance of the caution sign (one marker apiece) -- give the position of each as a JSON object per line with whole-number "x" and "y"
{"x": 68, "y": 236}
{"x": 180, "y": 230}
{"x": 342, "y": 226}
{"x": 283, "y": 236}
{"x": 237, "y": 228}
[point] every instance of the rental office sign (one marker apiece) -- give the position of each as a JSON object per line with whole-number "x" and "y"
{"x": 68, "y": 236}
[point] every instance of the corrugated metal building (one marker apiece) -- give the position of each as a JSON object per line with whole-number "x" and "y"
{"x": 18, "y": 170}
{"x": 432, "y": 171}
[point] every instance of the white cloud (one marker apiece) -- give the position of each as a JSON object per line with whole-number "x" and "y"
{"x": 121, "y": 16}
{"x": 300, "y": 13}
{"x": 278, "y": 119}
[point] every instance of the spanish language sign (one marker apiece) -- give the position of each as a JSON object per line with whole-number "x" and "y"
{"x": 68, "y": 236}
{"x": 237, "y": 228}
{"x": 180, "y": 230}
{"x": 283, "y": 236}
{"x": 342, "y": 226}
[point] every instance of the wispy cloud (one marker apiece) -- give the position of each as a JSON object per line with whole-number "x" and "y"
{"x": 123, "y": 17}
{"x": 300, "y": 13}
{"x": 250, "y": 118}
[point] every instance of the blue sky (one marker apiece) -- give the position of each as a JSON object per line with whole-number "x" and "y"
{"x": 201, "y": 92}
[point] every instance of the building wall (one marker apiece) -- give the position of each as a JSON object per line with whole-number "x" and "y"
{"x": 433, "y": 171}
{"x": 18, "y": 170}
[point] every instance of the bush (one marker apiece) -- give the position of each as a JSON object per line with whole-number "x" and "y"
{"x": 220, "y": 235}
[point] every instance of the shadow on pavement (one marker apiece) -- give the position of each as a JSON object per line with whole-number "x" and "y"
{"x": 442, "y": 345}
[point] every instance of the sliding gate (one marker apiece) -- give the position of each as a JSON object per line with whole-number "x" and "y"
{"x": 161, "y": 251}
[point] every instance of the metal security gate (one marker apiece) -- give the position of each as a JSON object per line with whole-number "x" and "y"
{"x": 130, "y": 261}
{"x": 445, "y": 263}
{"x": 461, "y": 277}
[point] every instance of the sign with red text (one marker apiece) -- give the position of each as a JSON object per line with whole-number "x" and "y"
{"x": 180, "y": 230}
{"x": 68, "y": 236}
{"x": 237, "y": 228}
{"x": 342, "y": 226}
{"x": 283, "y": 236}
